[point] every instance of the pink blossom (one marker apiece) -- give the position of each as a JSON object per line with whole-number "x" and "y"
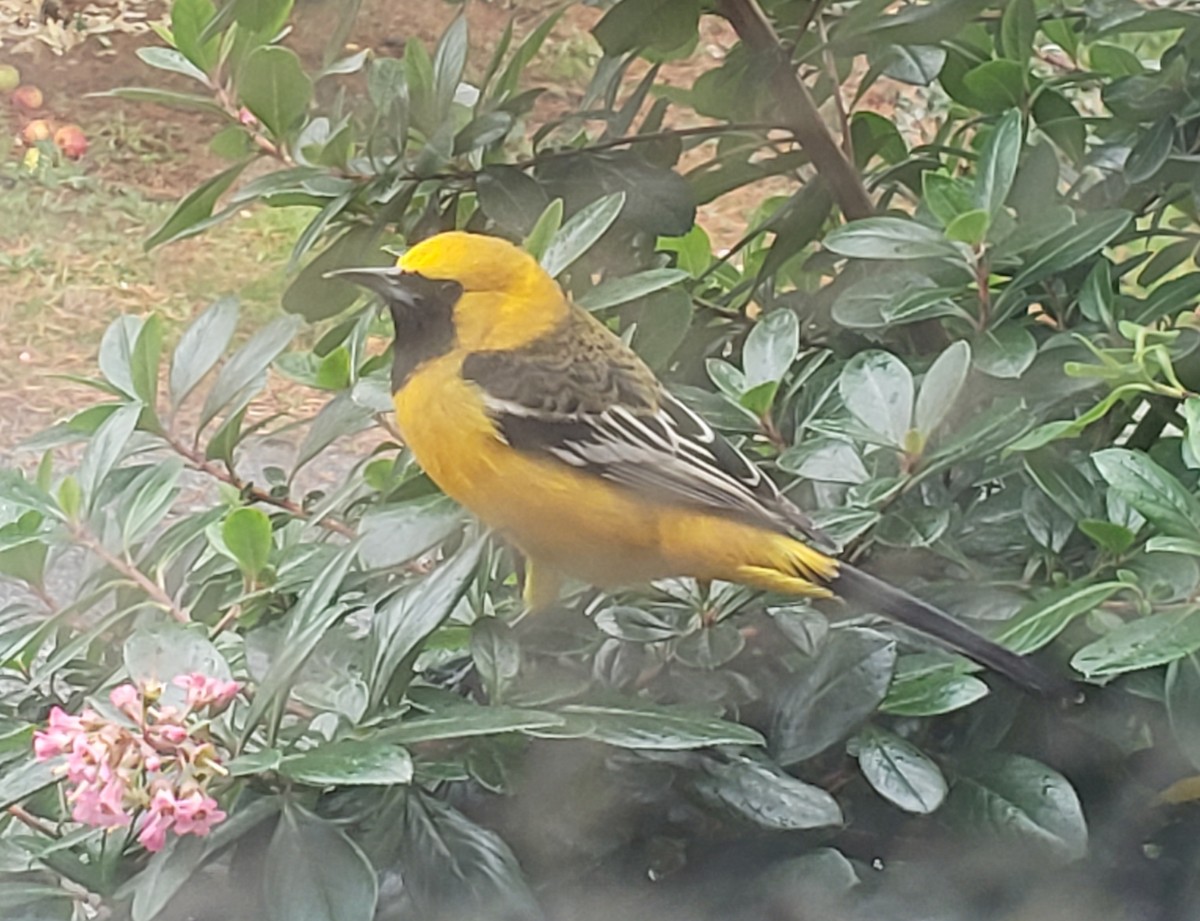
{"x": 127, "y": 699}
{"x": 58, "y": 736}
{"x": 169, "y": 733}
{"x": 196, "y": 814}
{"x": 207, "y": 691}
{"x": 153, "y": 835}
{"x": 246, "y": 117}
{"x": 100, "y": 806}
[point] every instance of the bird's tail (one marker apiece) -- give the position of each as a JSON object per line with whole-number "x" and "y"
{"x": 865, "y": 589}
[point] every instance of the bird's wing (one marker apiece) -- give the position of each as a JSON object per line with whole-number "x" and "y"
{"x": 581, "y": 396}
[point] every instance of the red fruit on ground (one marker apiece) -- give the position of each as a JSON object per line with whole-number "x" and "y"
{"x": 71, "y": 140}
{"x": 36, "y": 130}
{"x": 28, "y": 97}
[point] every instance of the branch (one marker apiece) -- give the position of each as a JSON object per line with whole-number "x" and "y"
{"x": 799, "y": 109}
{"x": 153, "y": 590}
{"x": 255, "y": 493}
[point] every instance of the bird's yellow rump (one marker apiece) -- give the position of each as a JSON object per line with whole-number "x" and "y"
{"x": 528, "y": 411}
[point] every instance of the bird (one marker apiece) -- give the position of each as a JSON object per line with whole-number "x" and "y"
{"x": 542, "y": 422}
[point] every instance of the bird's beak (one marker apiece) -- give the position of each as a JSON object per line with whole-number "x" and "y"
{"x": 386, "y": 281}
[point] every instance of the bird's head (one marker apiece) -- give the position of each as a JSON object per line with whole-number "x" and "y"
{"x": 466, "y": 290}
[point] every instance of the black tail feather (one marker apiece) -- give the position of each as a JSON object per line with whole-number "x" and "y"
{"x": 863, "y": 588}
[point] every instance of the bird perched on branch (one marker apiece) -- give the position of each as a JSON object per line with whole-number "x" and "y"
{"x": 532, "y": 414}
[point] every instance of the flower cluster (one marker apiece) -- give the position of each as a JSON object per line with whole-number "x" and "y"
{"x": 153, "y": 765}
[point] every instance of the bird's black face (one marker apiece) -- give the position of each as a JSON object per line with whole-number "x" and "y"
{"x": 422, "y": 310}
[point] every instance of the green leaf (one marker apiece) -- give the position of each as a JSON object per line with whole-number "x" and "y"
{"x": 664, "y": 25}
{"x": 947, "y": 197}
{"x": 614, "y": 291}
{"x": 1005, "y": 351}
{"x": 248, "y": 365}
{"x": 315, "y": 297}
{"x": 310, "y": 617}
{"x": 941, "y": 387}
{"x": 24, "y": 778}
{"x": 116, "y": 352}
{"x": 247, "y": 534}
{"x": 169, "y": 59}
{"x": 273, "y": 85}
{"x": 164, "y": 651}
{"x": 454, "y": 868}
{"x": 449, "y": 60}
{"x": 824, "y": 701}
{"x": 996, "y": 85}
{"x": 396, "y": 534}
{"x": 878, "y": 390}
{"x": 150, "y": 497}
{"x": 770, "y": 348}
{"x": 931, "y": 691}
{"x": 511, "y": 198}
{"x": 194, "y": 212}
{"x": 645, "y": 727}
{"x": 466, "y": 721}
{"x": 1151, "y": 151}
{"x": 917, "y": 65}
{"x": 646, "y": 624}
{"x": 1152, "y": 490}
{"x": 762, "y": 794}
{"x": 1109, "y": 537}
{"x": 200, "y": 346}
{"x": 313, "y": 872}
{"x": 581, "y": 232}
{"x": 190, "y": 102}
{"x": 1143, "y": 643}
{"x": 350, "y": 762}
{"x": 970, "y": 227}
{"x": 545, "y": 228}
{"x": 1114, "y": 60}
{"x": 1063, "y": 483}
{"x": 1018, "y": 26}
{"x": 262, "y": 16}
{"x": 106, "y": 449}
{"x": 400, "y": 625}
{"x": 1065, "y": 249}
{"x": 1040, "y": 621}
{"x": 1182, "y": 692}
{"x": 188, "y": 21}
{"x": 1020, "y": 801}
{"x": 889, "y": 238}
{"x": 899, "y": 771}
{"x": 1061, "y": 122}
{"x": 143, "y": 362}
{"x": 496, "y": 654}
{"x": 998, "y": 160}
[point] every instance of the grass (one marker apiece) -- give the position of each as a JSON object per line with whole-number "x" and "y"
{"x": 71, "y": 260}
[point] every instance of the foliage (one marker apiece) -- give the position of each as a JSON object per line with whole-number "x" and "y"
{"x": 972, "y": 359}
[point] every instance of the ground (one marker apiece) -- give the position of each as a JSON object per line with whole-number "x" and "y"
{"x": 71, "y": 254}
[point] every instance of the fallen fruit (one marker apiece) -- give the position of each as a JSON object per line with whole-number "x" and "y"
{"x": 71, "y": 140}
{"x": 36, "y": 130}
{"x": 28, "y": 97}
{"x": 10, "y": 77}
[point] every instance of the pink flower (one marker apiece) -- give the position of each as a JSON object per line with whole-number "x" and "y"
{"x": 246, "y": 117}
{"x": 196, "y": 814}
{"x": 169, "y": 733}
{"x": 127, "y": 699}
{"x": 100, "y": 806}
{"x": 58, "y": 736}
{"x": 206, "y": 691}
{"x": 153, "y": 835}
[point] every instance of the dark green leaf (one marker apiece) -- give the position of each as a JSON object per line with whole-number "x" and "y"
{"x": 248, "y": 365}
{"x": 917, "y": 65}
{"x": 762, "y": 794}
{"x": 647, "y": 727}
{"x": 941, "y": 387}
{"x": 899, "y": 771}
{"x": 996, "y": 85}
{"x": 771, "y": 348}
{"x": 350, "y": 762}
{"x": 1022, "y": 802}
{"x": 1018, "y": 26}
{"x": 274, "y": 86}
{"x": 829, "y": 697}
{"x": 998, "y": 159}
{"x": 313, "y": 872}
{"x": 664, "y": 25}
{"x": 201, "y": 345}
{"x": 188, "y": 21}
{"x": 931, "y": 691}
{"x": 889, "y": 238}
{"x": 1040, "y": 621}
{"x": 195, "y": 210}
{"x": 1155, "y": 639}
{"x": 615, "y": 291}
{"x": 1151, "y": 151}
{"x": 581, "y": 232}
{"x": 1005, "y": 351}
{"x": 1150, "y": 489}
{"x": 106, "y": 449}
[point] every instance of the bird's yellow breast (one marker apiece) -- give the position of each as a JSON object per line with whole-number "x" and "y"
{"x": 574, "y": 522}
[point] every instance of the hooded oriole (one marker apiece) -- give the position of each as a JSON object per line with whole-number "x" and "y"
{"x": 533, "y": 415}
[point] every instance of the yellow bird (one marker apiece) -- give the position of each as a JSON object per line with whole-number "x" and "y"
{"x": 532, "y": 414}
